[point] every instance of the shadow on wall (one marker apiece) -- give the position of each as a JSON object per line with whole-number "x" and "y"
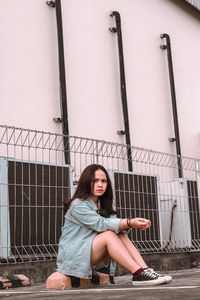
{"x": 184, "y": 5}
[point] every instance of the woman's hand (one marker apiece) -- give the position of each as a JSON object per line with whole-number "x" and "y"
{"x": 140, "y": 223}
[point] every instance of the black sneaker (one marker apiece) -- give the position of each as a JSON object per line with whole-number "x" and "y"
{"x": 147, "y": 278}
{"x": 167, "y": 278}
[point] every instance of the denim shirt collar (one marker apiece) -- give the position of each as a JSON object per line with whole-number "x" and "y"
{"x": 91, "y": 204}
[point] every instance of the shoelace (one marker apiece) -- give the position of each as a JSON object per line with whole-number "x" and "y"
{"x": 152, "y": 275}
{"x": 151, "y": 271}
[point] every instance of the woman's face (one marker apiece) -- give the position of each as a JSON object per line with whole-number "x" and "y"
{"x": 98, "y": 184}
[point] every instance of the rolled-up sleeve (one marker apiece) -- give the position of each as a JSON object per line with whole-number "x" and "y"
{"x": 82, "y": 214}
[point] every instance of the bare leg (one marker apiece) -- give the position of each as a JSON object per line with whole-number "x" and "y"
{"x": 106, "y": 259}
{"x": 108, "y": 242}
{"x": 134, "y": 253}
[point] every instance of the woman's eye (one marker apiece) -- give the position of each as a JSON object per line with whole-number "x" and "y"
{"x": 96, "y": 180}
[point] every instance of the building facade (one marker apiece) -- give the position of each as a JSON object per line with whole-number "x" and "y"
{"x": 126, "y": 97}
{"x": 29, "y": 85}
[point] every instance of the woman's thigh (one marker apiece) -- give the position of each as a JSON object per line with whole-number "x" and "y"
{"x": 99, "y": 250}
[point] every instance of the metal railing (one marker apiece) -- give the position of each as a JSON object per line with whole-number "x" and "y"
{"x": 34, "y": 181}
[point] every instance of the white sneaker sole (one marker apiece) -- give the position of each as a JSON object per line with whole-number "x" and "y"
{"x": 167, "y": 278}
{"x": 149, "y": 282}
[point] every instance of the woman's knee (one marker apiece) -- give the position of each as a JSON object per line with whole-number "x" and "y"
{"x": 109, "y": 234}
{"x": 104, "y": 238}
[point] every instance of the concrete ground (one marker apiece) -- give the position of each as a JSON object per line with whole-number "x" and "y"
{"x": 185, "y": 285}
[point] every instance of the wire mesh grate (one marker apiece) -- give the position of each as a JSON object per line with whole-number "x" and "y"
{"x": 34, "y": 181}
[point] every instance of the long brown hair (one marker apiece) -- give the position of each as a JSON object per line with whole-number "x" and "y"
{"x": 83, "y": 191}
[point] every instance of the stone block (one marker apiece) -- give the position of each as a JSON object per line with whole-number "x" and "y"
{"x": 58, "y": 281}
{"x": 13, "y": 281}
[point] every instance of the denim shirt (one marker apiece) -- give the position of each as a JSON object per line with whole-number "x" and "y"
{"x": 82, "y": 224}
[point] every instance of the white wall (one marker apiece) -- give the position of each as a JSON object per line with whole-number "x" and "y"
{"x": 29, "y": 86}
{"x": 28, "y": 65}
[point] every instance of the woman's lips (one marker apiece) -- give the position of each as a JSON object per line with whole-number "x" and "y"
{"x": 99, "y": 190}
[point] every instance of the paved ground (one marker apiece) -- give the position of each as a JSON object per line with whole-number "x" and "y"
{"x": 185, "y": 285}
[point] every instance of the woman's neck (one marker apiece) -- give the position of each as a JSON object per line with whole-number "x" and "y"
{"x": 95, "y": 199}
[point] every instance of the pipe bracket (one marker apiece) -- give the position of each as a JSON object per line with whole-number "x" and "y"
{"x": 51, "y": 3}
{"x": 172, "y": 139}
{"x": 163, "y": 47}
{"x": 57, "y": 120}
{"x": 113, "y": 29}
{"x": 121, "y": 132}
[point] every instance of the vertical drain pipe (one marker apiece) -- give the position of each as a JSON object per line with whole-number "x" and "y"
{"x": 173, "y": 97}
{"x": 62, "y": 80}
{"x": 117, "y": 30}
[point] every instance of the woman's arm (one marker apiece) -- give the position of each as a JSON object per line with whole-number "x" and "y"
{"x": 81, "y": 213}
{"x": 138, "y": 223}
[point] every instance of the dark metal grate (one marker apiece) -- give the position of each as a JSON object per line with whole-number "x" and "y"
{"x": 36, "y": 195}
{"x": 137, "y": 196}
{"x": 194, "y": 209}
